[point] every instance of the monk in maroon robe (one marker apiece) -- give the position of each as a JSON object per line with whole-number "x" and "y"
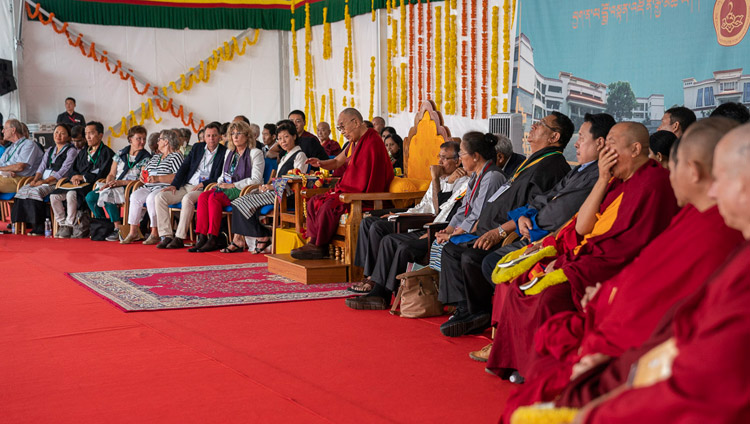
{"x": 625, "y": 310}
{"x": 707, "y": 380}
{"x": 630, "y": 204}
{"x": 366, "y": 170}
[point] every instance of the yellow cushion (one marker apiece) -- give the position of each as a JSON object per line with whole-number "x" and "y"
{"x": 287, "y": 239}
{"x": 408, "y": 185}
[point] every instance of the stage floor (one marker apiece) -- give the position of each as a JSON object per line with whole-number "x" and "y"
{"x": 66, "y": 355}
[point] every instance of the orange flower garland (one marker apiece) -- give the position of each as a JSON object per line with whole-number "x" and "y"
{"x": 494, "y": 60}
{"x": 506, "y": 53}
{"x": 420, "y": 43}
{"x": 473, "y": 76}
{"x": 485, "y": 44}
{"x": 464, "y": 57}
{"x": 438, "y": 57}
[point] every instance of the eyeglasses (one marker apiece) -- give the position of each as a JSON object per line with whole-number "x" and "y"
{"x": 237, "y": 133}
{"x": 547, "y": 125}
{"x": 342, "y": 126}
{"x": 162, "y": 138}
{"x": 443, "y": 157}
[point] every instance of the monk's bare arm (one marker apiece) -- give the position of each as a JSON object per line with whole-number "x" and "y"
{"x": 587, "y": 214}
{"x": 329, "y": 164}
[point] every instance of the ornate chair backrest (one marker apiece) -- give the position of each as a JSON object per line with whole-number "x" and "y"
{"x": 422, "y": 145}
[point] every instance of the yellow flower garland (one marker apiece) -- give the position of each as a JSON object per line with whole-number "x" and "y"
{"x": 372, "y": 86}
{"x": 294, "y": 50}
{"x": 494, "y": 60}
{"x": 402, "y": 22}
{"x": 506, "y": 52}
{"x": 389, "y": 80}
{"x": 309, "y": 80}
{"x": 327, "y": 49}
{"x": 333, "y": 114}
{"x": 404, "y": 86}
{"x": 129, "y": 120}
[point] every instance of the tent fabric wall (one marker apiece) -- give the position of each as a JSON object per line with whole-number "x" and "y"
{"x": 53, "y": 70}
{"x": 10, "y": 104}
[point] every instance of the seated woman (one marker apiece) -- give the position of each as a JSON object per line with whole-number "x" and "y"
{"x": 245, "y": 220}
{"x": 126, "y": 167}
{"x": 28, "y": 205}
{"x": 660, "y": 143}
{"x": 157, "y": 174}
{"x": 394, "y": 144}
{"x": 243, "y": 166}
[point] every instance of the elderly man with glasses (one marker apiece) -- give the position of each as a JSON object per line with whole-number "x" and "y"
{"x": 366, "y": 169}
{"x": 447, "y": 179}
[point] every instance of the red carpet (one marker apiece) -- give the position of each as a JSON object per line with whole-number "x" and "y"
{"x": 69, "y": 356}
{"x": 201, "y": 287}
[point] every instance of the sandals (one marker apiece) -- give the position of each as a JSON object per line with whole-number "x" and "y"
{"x": 237, "y": 248}
{"x": 261, "y": 246}
{"x": 363, "y": 287}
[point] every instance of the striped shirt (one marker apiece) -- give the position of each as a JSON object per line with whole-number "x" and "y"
{"x": 157, "y": 166}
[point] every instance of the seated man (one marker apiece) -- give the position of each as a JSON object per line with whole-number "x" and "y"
{"x": 549, "y": 211}
{"x": 20, "y": 159}
{"x": 706, "y": 378}
{"x": 91, "y": 164}
{"x": 461, "y": 263}
{"x": 203, "y": 166}
{"x": 309, "y": 144}
{"x": 331, "y": 147}
{"x": 447, "y": 178}
{"x": 630, "y": 204}
{"x": 366, "y": 170}
{"x": 677, "y": 120}
{"x": 507, "y": 160}
{"x": 623, "y": 312}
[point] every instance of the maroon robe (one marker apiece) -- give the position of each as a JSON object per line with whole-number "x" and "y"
{"x": 710, "y": 372}
{"x": 644, "y": 205}
{"x": 331, "y": 147}
{"x": 628, "y": 307}
{"x": 370, "y": 172}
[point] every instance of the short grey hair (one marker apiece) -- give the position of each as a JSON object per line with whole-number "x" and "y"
{"x": 255, "y": 130}
{"x": 504, "y": 145}
{"x": 171, "y": 137}
{"x": 16, "y": 125}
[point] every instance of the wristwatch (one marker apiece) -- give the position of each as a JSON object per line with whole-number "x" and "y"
{"x": 502, "y": 232}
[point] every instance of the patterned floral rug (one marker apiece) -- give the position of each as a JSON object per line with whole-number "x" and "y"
{"x": 201, "y": 287}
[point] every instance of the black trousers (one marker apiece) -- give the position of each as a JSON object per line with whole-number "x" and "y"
{"x": 371, "y": 232}
{"x": 248, "y": 227}
{"x": 461, "y": 278}
{"x": 396, "y": 251}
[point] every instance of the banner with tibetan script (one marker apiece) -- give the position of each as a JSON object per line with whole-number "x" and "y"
{"x": 633, "y": 59}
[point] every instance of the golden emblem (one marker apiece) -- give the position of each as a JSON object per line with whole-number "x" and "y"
{"x": 731, "y": 21}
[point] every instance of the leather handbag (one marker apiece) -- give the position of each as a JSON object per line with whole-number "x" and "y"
{"x": 417, "y": 296}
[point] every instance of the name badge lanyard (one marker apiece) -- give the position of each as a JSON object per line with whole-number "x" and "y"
{"x": 17, "y": 146}
{"x": 95, "y": 158}
{"x": 473, "y": 190}
{"x": 525, "y": 166}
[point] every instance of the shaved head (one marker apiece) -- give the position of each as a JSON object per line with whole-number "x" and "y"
{"x": 352, "y": 113}
{"x": 699, "y": 141}
{"x": 731, "y": 187}
{"x": 630, "y": 141}
{"x": 635, "y": 132}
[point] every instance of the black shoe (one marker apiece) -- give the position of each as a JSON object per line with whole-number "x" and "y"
{"x": 164, "y": 242}
{"x": 210, "y": 245}
{"x": 309, "y": 252}
{"x": 202, "y": 239}
{"x": 367, "y": 302}
{"x": 458, "y": 324}
{"x": 176, "y": 243}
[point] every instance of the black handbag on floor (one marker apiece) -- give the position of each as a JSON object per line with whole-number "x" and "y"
{"x": 100, "y": 228}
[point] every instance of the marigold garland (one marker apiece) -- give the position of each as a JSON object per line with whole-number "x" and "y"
{"x": 372, "y": 8}
{"x": 411, "y": 58}
{"x": 438, "y": 57}
{"x": 506, "y": 53}
{"x": 309, "y": 79}
{"x": 346, "y": 68}
{"x": 327, "y": 49}
{"x": 129, "y": 120}
{"x": 473, "y": 59}
{"x": 372, "y": 87}
{"x": 394, "y": 78}
{"x": 420, "y": 44}
{"x": 389, "y": 79}
{"x": 404, "y": 87}
{"x": 428, "y": 58}
{"x": 494, "y": 60}
{"x": 295, "y": 65}
{"x": 402, "y": 21}
{"x": 464, "y": 76}
{"x": 485, "y": 48}
{"x": 454, "y": 65}
{"x": 333, "y": 114}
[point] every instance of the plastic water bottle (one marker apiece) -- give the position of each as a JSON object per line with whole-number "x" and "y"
{"x": 47, "y": 228}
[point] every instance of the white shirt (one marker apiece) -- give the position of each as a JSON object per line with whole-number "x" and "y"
{"x": 299, "y": 161}
{"x": 426, "y": 205}
{"x": 204, "y": 167}
{"x": 259, "y": 165}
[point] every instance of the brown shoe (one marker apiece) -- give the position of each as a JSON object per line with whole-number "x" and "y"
{"x": 152, "y": 239}
{"x": 309, "y": 251}
{"x": 482, "y": 354}
{"x": 176, "y": 243}
{"x": 164, "y": 242}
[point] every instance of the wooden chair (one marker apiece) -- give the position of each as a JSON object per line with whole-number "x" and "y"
{"x": 421, "y": 147}
{"x": 6, "y": 203}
